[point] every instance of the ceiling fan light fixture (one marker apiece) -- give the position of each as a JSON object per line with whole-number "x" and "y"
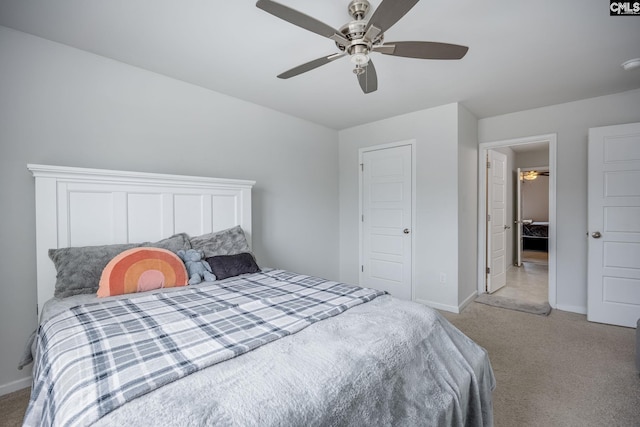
{"x": 529, "y": 175}
{"x": 360, "y": 59}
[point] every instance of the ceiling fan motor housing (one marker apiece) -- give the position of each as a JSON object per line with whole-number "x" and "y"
{"x": 356, "y": 33}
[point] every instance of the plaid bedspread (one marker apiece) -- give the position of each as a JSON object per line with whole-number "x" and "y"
{"x": 95, "y": 357}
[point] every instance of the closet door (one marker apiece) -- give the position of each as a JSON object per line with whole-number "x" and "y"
{"x": 386, "y": 232}
{"x": 614, "y": 225}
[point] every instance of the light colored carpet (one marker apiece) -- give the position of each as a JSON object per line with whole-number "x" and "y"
{"x": 556, "y": 370}
{"x": 12, "y": 407}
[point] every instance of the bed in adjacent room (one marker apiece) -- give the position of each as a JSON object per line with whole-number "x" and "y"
{"x": 535, "y": 235}
{"x": 257, "y": 346}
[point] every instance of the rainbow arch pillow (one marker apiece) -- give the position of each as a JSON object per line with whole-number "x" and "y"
{"x": 142, "y": 269}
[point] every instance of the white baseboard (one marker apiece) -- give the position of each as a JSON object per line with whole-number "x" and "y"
{"x": 451, "y": 308}
{"x": 572, "y": 308}
{"x": 15, "y": 386}
{"x": 438, "y": 306}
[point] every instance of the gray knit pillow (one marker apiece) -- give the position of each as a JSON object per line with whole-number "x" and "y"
{"x": 231, "y": 241}
{"x": 79, "y": 268}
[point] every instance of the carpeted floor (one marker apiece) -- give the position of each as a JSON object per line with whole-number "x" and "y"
{"x": 558, "y": 370}
{"x": 12, "y": 407}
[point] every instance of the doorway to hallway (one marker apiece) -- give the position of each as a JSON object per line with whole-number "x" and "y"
{"x": 530, "y": 277}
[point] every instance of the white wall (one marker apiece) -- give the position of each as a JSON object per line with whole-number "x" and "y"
{"x": 533, "y": 159}
{"x": 467, "y": 206}
{"x": 570, "y": 122}
{"x": 535, "y": 199}
{"x": 535, "y": 193}
{"x": 436, "y": 232}
{"x": 63, "y": 106}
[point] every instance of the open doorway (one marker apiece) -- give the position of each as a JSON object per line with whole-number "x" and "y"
{"x": 527, "y": 279}
{"x": 529, "y": 238}
{"x": 532, "y": 210}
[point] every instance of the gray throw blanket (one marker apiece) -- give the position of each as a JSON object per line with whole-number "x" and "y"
{"x": 384, "y": 363}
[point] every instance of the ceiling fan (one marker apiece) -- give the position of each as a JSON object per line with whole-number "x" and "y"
{"x": 532, "y": 174}
{"x": 361, "y": 37}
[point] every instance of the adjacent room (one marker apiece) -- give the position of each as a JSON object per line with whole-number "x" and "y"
{"x": 492, "y": 151}
{"x": 526, "y": 225}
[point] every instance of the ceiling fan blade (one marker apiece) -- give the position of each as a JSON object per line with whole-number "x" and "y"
{"x": 301, "y": 20}
{"x": 423, "y": 50}
{"x": 310, "y": 65}
{"x": 389, "y": 12}
{"x": 369, "y": 79}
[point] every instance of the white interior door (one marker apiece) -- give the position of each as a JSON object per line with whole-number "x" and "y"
{"x": 518, "y": 221}
{"x": 386, "y": 220}
{"x": 614, "y": 225}
{"x": 496, "y": 226}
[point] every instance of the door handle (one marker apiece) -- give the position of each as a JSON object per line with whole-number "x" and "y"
{"x": 405, "y": 231}
{"x": 506, "y": 227}
{"x": 596, "y": 235}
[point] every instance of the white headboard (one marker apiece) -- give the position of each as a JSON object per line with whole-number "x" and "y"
{"x": 84, "y": 207}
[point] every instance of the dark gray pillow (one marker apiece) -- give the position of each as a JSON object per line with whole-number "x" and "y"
{"x": 226, "y": 242}
{"x": 79, "y": 268}
{"x": 223, "y": 266}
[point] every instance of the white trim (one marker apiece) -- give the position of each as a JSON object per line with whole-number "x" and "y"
{"x": 16, "y": 385}
{"x": 361, "y": 151}
{"x": 439, "y": 306}
{"x": 102, "y": 175}
{"x": 482, "y": 206}
{"x": 572, "y": 308}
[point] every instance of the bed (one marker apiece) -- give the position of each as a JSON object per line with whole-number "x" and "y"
{"x": 268, "y": 347}
{"x": 535, "y": 235}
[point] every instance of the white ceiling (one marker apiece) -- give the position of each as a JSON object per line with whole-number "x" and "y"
{"x": 522, "y": 55}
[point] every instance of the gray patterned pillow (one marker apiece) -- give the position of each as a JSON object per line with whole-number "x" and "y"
{"x": 231, "y": 241}
{"x": 79, "y": 268}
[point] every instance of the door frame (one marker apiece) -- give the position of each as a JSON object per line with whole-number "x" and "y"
{"x": 361, "y": 151}
{"x": 551, "y": 139}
